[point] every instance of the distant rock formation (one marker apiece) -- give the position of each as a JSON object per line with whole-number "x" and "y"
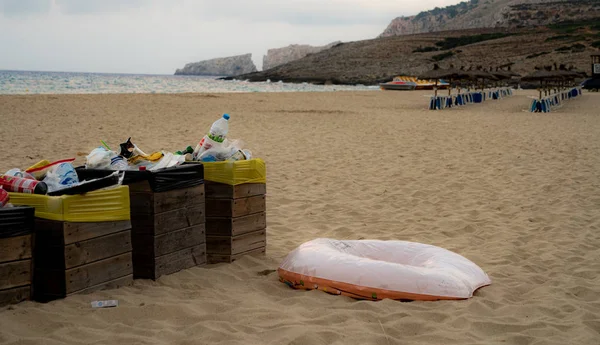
{"x": 494, "y": 14}
{"x": 227, "y": 66}
{"x": 279, "y": 56}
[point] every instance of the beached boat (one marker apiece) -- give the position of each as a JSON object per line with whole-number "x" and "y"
{"x": 398, "y": 85}
{"x": 420, "y": 84}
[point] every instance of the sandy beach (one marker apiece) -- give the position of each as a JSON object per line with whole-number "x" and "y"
{"x": 515, "y": 192}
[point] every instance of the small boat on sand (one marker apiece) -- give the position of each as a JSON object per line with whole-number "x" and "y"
{"x": 398, "y": 84}
{"x": 406, "y": 83}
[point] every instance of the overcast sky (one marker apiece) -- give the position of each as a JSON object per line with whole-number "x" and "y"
{"x": 158, "y": 36}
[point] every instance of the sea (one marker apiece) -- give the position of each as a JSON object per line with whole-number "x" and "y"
{"x": 31, "y": 82}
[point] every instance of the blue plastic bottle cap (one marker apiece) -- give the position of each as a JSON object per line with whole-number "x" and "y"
{"x": 226, "y": 116}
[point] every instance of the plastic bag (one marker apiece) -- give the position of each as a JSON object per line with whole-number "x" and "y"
{"x": 99, "y": 158}
{"x": 40, "y": 169}
{"x": 221, "y": 151}
{"x": 235, "y": 173}
{"x": 61, "y": 176}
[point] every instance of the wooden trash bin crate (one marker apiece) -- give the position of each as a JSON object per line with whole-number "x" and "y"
{"x": 80, "y": 257}
{"x": 167, "y": 218}
{"x": 16, "y": 229}
{"x": 82, "y": 242}
{"x": 168, "y": 230}
{"x": 236, "y": 221}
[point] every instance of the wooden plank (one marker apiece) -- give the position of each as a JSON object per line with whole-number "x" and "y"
{"x": 77, "y": 232}
{"x": 235, "y": 207}
{"x": 49, "y": 232}
{"x": 141, "y": 186}
{"x": 146, "y": 248}
{"x": 216, "y": 190}
{"x": 247, "y": 206}
{"x": 178, "y": 198}
{"x": 15, "y": 295}
{"x": 154, "y": 203}
{"x": 222, "y": 258}
{"x": 141, "y": 203}
{"x": 15, "y": 248}
{"x": 180, "y": 260}
{"x": 48, "y": 282}
{"x": 14, "y": 274}
{"x": 225, "y": 226}
{"x": 235, "y": 245}
{"x": 99, "y": 248}
{"x": 109, "y": 285}
{"x": 168, "y": 221}
{"x": 148, "y": 267}
{"x": 98, "y": 272}
{"x": 176, "y": 240}
{"x": 49, "y": 256}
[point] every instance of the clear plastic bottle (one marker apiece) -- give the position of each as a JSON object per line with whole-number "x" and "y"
{"x": 216, "y": 135}
{"x": 218, "y": 130}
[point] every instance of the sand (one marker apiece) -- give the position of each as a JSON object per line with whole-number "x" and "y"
{"x": 515, "y": 192}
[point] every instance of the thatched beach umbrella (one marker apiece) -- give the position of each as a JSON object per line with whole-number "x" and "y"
{"x": 439, "y": 73}
{"x": 542, "y": 76}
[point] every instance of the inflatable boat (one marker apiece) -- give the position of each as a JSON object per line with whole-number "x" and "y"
{"x": 375, "y": 270}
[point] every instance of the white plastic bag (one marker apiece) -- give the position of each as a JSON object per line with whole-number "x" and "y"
{"x": 99, "y": 158}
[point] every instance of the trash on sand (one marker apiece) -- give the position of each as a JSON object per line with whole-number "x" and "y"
{"x": 105, "y": 304}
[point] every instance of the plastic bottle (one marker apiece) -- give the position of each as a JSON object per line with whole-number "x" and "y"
{"x": 23, "y": 185}
{"x": 216, "y": 135}
{"x": 218, "y": 130}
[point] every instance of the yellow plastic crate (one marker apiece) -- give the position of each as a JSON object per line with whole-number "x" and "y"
{"x": 235, "y": 173}
{"x": 97, "y": 206}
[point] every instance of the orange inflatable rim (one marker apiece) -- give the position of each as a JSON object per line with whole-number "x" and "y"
{"x": 304, "y": 282}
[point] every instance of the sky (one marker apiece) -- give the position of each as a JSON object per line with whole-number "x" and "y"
{"x": 159, "y": 36}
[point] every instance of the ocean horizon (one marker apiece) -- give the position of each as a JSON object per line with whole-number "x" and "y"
{"x": 20, "y": 82}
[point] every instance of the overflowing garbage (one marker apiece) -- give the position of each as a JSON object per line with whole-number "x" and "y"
{"x": 61, "y": 177}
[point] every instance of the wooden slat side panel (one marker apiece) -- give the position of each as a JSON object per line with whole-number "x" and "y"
{"x": 110, "y": 285}
{"x": 174, "y": 199}
{"x": 222, "y": 258}
{"x": 236, "y": 226}
{"x": 14, "y": 274}
{"x": 223, "y": 191}
{"x": 15, "y": 248}
{"x": 96, "y": 249}
{"x": 98, "y": 272}
{"x": 77, "y": 232}
{"x": 235, "y": 245}
{"x": 180, "y": 260}
{"x": 246, "y": 206}
{"x": 168, "y": 221}
{"x": 248, "y": 242}
{"x": 176, "y": 240}
{"x": 235, "y": 207}
{"x": 219, "y": 207}
{"x": 16, "y": 295}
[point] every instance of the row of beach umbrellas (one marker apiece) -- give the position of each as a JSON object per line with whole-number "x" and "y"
{"x": 550, "y": 77}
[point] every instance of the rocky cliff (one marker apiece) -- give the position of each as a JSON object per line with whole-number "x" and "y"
{"x": 228, "y": 66}
{"x": 279, "y": 56}
{"x": 378, "y": 60}
{"x": 494, "y": 14}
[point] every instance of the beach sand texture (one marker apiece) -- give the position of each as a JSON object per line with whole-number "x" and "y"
{"x": 515, "y": 192}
